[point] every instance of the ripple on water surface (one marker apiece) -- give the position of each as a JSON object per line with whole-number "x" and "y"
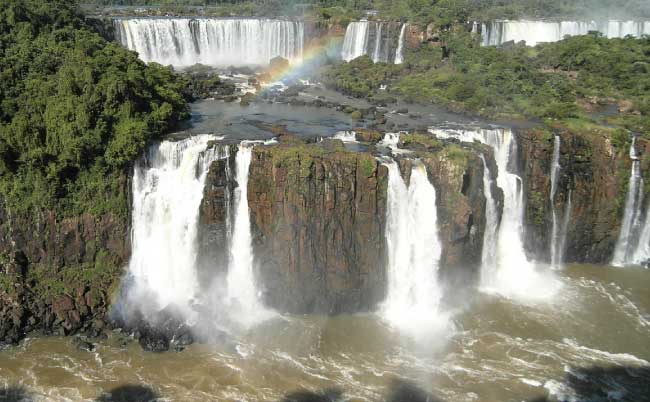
{"x": 591, "y": 343}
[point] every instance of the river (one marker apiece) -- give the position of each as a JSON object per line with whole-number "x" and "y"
{"x": 590, "y": 342}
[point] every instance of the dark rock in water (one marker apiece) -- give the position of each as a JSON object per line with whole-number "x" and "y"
{"x": 366, "y": 135}
{"x": 82, "y": 344}
{"x": 160, "y": 331}
{"x": 129, "y": 393}
{"x": 294, "y": 90}
{"x": 403, "y": 391}
{"x": 297, "y": 102}
{"x": 247, "y": 98}
{"x": 402, "y": 110}
{"x": 277, "y": 66}
{"x": 328, "y": 395}
{"x": 153, "y": 340}
{"x": 203, "y": 82}
{"x": 14, "y": 393}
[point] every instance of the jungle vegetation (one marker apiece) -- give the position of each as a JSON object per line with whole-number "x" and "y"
{"x": 75, "y": 110}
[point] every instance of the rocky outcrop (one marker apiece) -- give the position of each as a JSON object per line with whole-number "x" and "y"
{"x": 595, "y": 171}
{"x": 57, "y": 274}
{"x": 318, "y": 217}
{"x": 214, "y": 217}
{"x": 456, "y": 172}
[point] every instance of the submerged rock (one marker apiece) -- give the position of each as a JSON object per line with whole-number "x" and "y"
{"x": 153, "y": 340}
{"x": 82, "y": 344}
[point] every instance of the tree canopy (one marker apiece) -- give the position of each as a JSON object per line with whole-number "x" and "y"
{"x": 75, "y": 110}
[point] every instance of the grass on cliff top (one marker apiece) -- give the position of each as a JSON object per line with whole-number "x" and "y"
{"x": 588, "y": 129}
{"x": 300, "y": 157}
{"x": 420, "y": 140}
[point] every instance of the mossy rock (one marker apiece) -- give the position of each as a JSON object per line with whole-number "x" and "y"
{"x": 367, "y": 135}
{"x": 247, "y": 98}
{"x": 419, "y": 141}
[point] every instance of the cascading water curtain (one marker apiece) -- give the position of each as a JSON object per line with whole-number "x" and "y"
{"x": 168, "y": 188}
{"x": 184, "y": 42}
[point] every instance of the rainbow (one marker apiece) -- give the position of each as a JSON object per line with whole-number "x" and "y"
{"x": 315, "y": 54}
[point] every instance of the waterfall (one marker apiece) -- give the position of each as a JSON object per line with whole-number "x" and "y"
{"x": 534, "y": 32}
{"x": 555, "y": 170}
{"x": 376, "y": 56}
{"x": 167, "y": 191}
{"x": 414, "y": 250}
{"x": 346, "y": 136}
{"x": 367, "y": 38}
{"x": 641, "y": 255}
{"x": 399, "y": 54}
{"x": 356, "y": 40}
{"x": 183, "y": 42}
{"x": 515, "y": 275}
{"x": 625, "y": 246}
{"x": 490, "y": 238}
{"x": 242, "y": 294}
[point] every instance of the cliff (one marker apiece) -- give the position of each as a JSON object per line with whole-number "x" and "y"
{"x": 318, "y": 218}
{"x": 57, "y": 275}
{"x": 456, "y": 171}
{"x": 595, "y": 170}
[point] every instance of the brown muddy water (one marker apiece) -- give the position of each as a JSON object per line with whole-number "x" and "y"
{"x": 591, "y": 342}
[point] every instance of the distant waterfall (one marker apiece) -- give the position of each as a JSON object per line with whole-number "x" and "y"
{"x": 534, "y": 32}
{"x": 355, "y": 41}
{"x": 624, "y": 254}
{"x": 555, "y": 171}
{"x": 183, "y": 42}
{"x": 376, "y": 55}
{"x": 167, "y": 192}
{"x": 515, "y": 275}
{"x": 414, "y": 250}
{"x": 374, "y": 39}
{"x": 346, "y": 136}
{"x": 399, "y": 54}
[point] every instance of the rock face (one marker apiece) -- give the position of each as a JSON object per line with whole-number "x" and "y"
{"x": 318, "y": 219}
{"x": 58, "y": 273}
{"x": 596, "y": 173}
{"x": 214, "y": 217}
{"x": 457, "y": 175}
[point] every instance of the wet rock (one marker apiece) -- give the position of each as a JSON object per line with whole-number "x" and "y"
{"x": 318, "y": 215}
{"x": 62, "y": 305}
{"x": 595, "y": 172}
{"x": 457, "y": 174}
{"x": 82, "y": 344}
{"x": 247, "y": 98}
{"x": 367, "y": 135}
{"x": 278, "y": 63}
{"x": 153, "y": 340}
{"x": 160, "y": 331}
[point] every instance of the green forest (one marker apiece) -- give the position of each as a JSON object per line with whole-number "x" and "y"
{"x": 426, "y": 10}
{"x": 560, "y": 80}
{"x": 75, "y": 110}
